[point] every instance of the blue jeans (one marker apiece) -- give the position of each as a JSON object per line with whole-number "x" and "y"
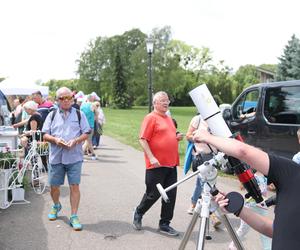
{"x": 197, "y": 191}
{"x": 96, "y": 135}
{"x": 96, "y": 140}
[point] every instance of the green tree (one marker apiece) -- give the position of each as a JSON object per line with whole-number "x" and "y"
{"x": 134, "y": 59}
{"x": 220, "y": 82}
{"x": 93, "y": 64}
{"x": 122, "y": 61}
{"x": 96, "y": 66}
{"x": 120, "y": 97}
{"x": 244, "y": 77}
{"x": 189, "y": 64}
{"x": 289, "y": 62}
{"x": 54, "y": 85}
{"x": 295, "y": 70}
{"x": 177, "y": 66}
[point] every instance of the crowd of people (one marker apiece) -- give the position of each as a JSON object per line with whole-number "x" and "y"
{"x": 29, "y": 114}
{"x": 74, "y": 128}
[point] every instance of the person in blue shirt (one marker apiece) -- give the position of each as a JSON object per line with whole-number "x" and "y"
{"x": 66, "y": 130}
{"x": 89, "y": 110}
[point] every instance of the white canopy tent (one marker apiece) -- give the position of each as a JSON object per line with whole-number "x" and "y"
{"x": 12, "y": 86}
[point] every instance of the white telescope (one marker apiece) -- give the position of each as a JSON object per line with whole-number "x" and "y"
{"x": 209, "y": 111}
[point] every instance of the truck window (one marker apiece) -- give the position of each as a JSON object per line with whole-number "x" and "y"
{"x": 247, "y": 104}
{"x": 282, "y": 105}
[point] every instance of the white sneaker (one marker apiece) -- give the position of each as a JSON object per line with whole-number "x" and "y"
{"x": 191, "y": 209}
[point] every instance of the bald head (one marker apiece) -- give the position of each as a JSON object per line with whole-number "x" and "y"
{"x": 63, "y": 91}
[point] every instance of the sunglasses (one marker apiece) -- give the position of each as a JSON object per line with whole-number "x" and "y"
{"x": 65, "y": 98}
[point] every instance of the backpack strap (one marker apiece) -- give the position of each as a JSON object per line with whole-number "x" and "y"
{"x": 79, "y": 118}
{"x": 53, "y": 115}
{"x": 78, "y": 115}
{"x": 52, "y": 118}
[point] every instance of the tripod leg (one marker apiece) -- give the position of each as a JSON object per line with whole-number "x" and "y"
{"x": 189, "y": 231}
{"x": 207, "y": 236}
{"x": 201, "y": 237}
{"x": 231, "y": 231}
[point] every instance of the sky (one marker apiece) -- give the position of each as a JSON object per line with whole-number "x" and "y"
{"x": 42, "y": 39}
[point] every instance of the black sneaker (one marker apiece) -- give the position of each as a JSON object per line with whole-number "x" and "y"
{"x": 166, "y": 229}
{"x": 137, "y": 220}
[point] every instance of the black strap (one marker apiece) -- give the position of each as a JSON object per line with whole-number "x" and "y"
{"x": 53, "y": 115}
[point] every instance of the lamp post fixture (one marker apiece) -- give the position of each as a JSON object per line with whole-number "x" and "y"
{"x": 149, "y": 45}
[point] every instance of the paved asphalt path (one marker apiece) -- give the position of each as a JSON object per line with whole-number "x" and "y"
{"x": 111, "y": 187}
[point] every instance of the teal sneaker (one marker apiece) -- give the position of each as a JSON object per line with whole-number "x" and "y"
{"x": 74, "y": 222}
{"x": 53, "y": 212}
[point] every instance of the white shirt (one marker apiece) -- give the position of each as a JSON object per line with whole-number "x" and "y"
{"x": 197, "y": 122}
{"x": 296, "y": 158}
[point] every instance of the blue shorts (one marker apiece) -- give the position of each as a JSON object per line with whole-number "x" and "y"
{"x": 57, "y": 173}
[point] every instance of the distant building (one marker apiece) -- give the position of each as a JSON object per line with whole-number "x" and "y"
{"x": 265, "y": 75}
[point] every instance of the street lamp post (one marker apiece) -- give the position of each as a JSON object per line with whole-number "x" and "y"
{"x": 149, "y": 45}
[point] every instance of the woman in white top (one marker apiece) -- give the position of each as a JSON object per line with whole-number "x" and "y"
{"x": 99, "y": 122}
{"x": 201, "y": 153}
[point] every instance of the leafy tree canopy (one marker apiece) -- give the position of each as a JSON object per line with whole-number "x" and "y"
{"x": 289, "y": 62}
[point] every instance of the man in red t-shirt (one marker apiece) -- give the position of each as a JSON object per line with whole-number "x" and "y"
{"x": 159, "y": 141}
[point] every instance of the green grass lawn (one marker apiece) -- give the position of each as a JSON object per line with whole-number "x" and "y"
{"x": 124, "y": 125}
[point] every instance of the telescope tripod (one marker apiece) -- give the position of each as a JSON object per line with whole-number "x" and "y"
{"x": 202, "y": 210}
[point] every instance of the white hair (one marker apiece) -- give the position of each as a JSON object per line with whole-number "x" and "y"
{"x": 63, "y": 90}
{"x": 96, "y": 97}
{"x": 31, "y": 105}
{"x": 158, "y": 94}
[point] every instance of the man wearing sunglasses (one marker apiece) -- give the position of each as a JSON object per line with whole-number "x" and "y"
{"x": 66, "y": 132}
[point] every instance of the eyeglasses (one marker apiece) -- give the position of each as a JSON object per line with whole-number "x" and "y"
{"x": 164, "y": 101}
{"x": 65, "y": 98}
